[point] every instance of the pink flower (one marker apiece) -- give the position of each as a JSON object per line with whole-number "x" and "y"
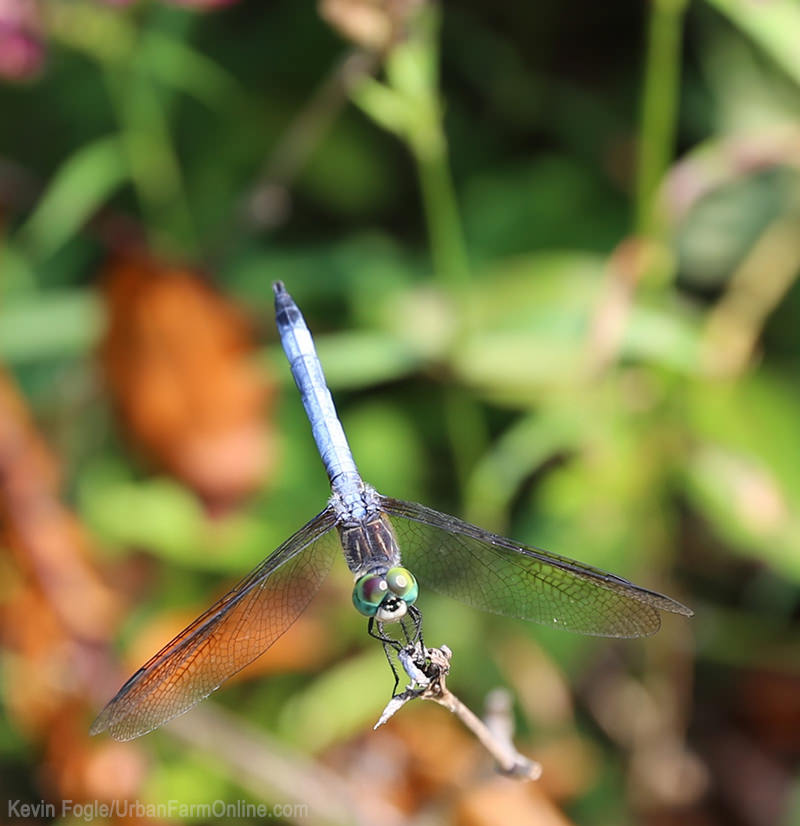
{"x": 22, "y": 49}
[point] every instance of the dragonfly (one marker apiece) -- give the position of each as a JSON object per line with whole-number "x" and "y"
{"x": 394, "y": 549}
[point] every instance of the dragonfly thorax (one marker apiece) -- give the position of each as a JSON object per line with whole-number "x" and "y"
{"x": 369, "y": 546}
{"x": 354, "y": 501}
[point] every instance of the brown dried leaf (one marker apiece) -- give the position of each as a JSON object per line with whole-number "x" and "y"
{"x": 504, "y": 802}
{"x": 79, "y": 769}
{"x": 49, "y": 544}
{"x": 178, "y": 360}
{"x": 55, "y": 620}
{"x": 372, "y": 24}
{"x": 441, "y": 753}
{"x": 570, "y": 765}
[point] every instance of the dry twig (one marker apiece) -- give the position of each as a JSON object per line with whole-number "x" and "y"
{"x": 427, "y": 669}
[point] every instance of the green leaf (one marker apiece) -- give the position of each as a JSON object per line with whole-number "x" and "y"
{"x": 522, "y": 449}
{"x": 179, "y": 66}
{"x": 48, "y": 325}
{"x": 514, "y": 367}
{"x": 745, "y": 503}
{"x": 18, "y": 276}
{"x": 526, "y": 325}
{"x": 754, "y": 417}
{"x": 386, "y": 445}
{"x": 773, "y": 26}
{"x": 412, "y": 65}
{"x": 347, "y": 175}
{"x": 525, "y": 292}
{"x": 669, "y": 336}
{"x": 164, "y": 518}
{"x": 743, "y": 476}
{"x": 385, "y": 106}
{"x": 344, "y": 700}
{"x": 603, "y": 505}
{"x": 100, "y": 32}
{"x": 550, "y": 203}
{"x": 83, "y": 183}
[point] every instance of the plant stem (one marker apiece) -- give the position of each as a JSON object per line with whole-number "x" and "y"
{"x": 448, "y": 249}
{"x": 660, "y": 97}
{"x": 464, "y": 421}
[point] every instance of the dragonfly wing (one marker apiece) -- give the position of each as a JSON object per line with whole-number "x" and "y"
{"x": 228, "y": 636}
{"x": 494, "y": 574}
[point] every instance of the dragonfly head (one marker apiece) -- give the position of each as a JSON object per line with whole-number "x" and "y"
{"x": 385, "y": 596}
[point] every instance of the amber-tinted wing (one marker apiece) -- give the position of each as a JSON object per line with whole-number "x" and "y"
{"x": 495, "y": 574}
{"x": 232, "y": 633}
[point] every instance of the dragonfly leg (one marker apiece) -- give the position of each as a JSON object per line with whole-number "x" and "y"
{"x": 412, "y": 654}
{"x": 406, "y": 634}
{"x": 415, "y": 649}
{"x": 416, "y": 617}
{"x": 380, "y": 635}
{"x": 415, "y": 646}
{"x": 387, "y": 650}
{"x": 389, "y": 645}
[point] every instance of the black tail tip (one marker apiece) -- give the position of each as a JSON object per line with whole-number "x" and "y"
{"x": 278, "y": 288}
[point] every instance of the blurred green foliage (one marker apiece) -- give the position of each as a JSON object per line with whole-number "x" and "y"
{"x": 530, "y": 275}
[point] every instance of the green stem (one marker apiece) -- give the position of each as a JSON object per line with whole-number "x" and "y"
{"x": 409, "y": 105}
{"x": 659, "y": 109}
{"x": 448, "y": 249}
{"x": 466, "y": 427}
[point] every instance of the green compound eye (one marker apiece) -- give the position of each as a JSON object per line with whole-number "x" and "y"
{"x": 402, "y": 582}
{"x": 369, "y": 593}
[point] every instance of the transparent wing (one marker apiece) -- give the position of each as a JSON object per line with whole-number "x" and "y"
{"x": 493, "y": 573}
{"x": 232, "y": 633}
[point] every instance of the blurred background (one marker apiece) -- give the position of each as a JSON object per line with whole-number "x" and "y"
{"x": 549, "y": 253}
